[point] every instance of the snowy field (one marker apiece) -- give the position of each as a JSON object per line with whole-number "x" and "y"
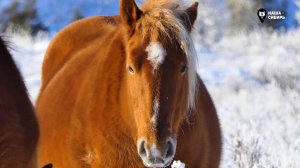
{"x": 254, "y": 79}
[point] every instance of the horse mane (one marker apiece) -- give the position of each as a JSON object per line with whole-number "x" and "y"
{"x": 163, "y": 19}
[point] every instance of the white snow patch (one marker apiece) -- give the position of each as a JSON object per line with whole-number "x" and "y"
{"x": 177, "y": 164}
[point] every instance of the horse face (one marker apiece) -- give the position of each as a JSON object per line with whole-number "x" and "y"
{"x": 157, "y": 81}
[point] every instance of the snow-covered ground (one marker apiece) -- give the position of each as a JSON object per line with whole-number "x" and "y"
{"x": 254, "y": 79}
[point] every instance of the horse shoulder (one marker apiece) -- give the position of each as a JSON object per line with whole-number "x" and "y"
{"x": 74, "y": 38}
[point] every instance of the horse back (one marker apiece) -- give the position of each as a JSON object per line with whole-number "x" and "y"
{"x": 75, "y": 38}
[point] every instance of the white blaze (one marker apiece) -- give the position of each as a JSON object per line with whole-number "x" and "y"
{"x": 156, "y": 54}
{"x": 155, "y": 111}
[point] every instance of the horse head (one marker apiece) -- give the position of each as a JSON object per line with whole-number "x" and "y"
{"x": 161, "y": 74}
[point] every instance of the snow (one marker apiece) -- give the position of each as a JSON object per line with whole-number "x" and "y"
{"x": 254, "y": 80}
{"x": 177, "y": 164}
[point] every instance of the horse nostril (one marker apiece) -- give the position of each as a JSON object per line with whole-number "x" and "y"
{"x": 142, "y": 149}
{"x": 170, "y": 149}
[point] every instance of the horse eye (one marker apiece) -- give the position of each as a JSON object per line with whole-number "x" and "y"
{"x": 183, "y": 69}
{"x": 130, "y": 69}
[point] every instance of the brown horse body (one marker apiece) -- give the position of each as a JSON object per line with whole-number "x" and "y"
{"x": 91, "y": 115}
{"x": 18, "y": 125}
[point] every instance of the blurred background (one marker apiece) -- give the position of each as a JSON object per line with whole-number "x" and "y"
{"x": 251, "y": 69}
{"x": 229, "y": 15}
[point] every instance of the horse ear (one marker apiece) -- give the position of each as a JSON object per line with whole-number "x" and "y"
{"x": 130, "y": 14}
{"x": 191, "y": 14}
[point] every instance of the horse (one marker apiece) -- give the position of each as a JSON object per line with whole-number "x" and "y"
{"x": 123, "y": 91}
{"x": 18, "y": 124}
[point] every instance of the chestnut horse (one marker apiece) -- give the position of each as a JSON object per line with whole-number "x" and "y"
{"x": 18, "y": 124}
{"x": 122, "y": 91}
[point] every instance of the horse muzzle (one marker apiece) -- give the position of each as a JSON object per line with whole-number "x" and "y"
{"x": 154, "y": 156}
